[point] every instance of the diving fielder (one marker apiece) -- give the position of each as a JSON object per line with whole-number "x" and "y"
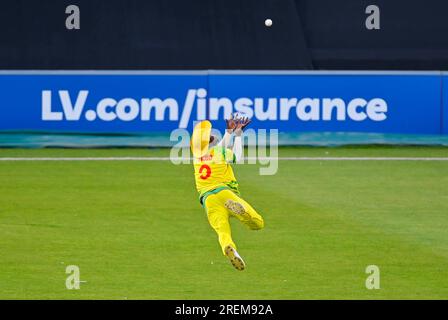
{"x": 217, "y": 186}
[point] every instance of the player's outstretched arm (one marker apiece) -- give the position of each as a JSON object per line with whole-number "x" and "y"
{"x": 230, "y": 127}
{"x": 238, "y": 144}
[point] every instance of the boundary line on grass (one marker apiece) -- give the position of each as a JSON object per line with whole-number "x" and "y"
{"x": 247, "y": 158}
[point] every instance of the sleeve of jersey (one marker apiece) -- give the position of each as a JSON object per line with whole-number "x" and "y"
{"x": 238, "y": 149}
{"x": 225, "y": 140}
{"x": 229, "y": 156}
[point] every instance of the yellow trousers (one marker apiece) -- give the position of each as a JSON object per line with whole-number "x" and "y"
{"x": 218, "y": 215}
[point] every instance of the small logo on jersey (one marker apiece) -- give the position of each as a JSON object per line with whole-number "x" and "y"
{"x": 207, "y": 157}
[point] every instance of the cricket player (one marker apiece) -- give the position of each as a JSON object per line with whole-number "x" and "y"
{"x": 217, "y": 186}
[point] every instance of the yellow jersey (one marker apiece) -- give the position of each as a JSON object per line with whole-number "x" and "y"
{"x": 213, "y": 171}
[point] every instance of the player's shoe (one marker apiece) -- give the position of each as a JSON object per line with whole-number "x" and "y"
{"x": 235, "y": 207}
{"x": 235, "y": 258}
{"x": 238, "y": 209}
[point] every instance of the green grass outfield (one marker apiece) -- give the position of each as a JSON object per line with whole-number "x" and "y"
{"x": 137, "y": 231}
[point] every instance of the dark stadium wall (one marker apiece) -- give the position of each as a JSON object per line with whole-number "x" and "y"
{"x": 412, "y": 34}
{"x": 145, "y": 34}
{"x": 223, "y": 34}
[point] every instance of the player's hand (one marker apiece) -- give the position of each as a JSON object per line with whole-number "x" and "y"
{"x": 241, "y": 125}
{"x": 231, "y": 124}
{"x": 245, "y": 122}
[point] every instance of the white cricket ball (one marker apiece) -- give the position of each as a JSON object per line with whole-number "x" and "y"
{"x": 268, "y": 22}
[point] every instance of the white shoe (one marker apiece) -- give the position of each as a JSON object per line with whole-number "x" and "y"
{"x": 235, "y": 258}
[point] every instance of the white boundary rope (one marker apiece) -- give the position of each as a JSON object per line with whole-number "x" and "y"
{"x": 247, "y": 158}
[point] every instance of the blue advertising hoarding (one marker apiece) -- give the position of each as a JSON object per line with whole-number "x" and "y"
{"x": 444, "y": 113}
{"x": 146, "y": 102}
{"x": 97, "y": 102}
{"x": 339, "y": 102}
